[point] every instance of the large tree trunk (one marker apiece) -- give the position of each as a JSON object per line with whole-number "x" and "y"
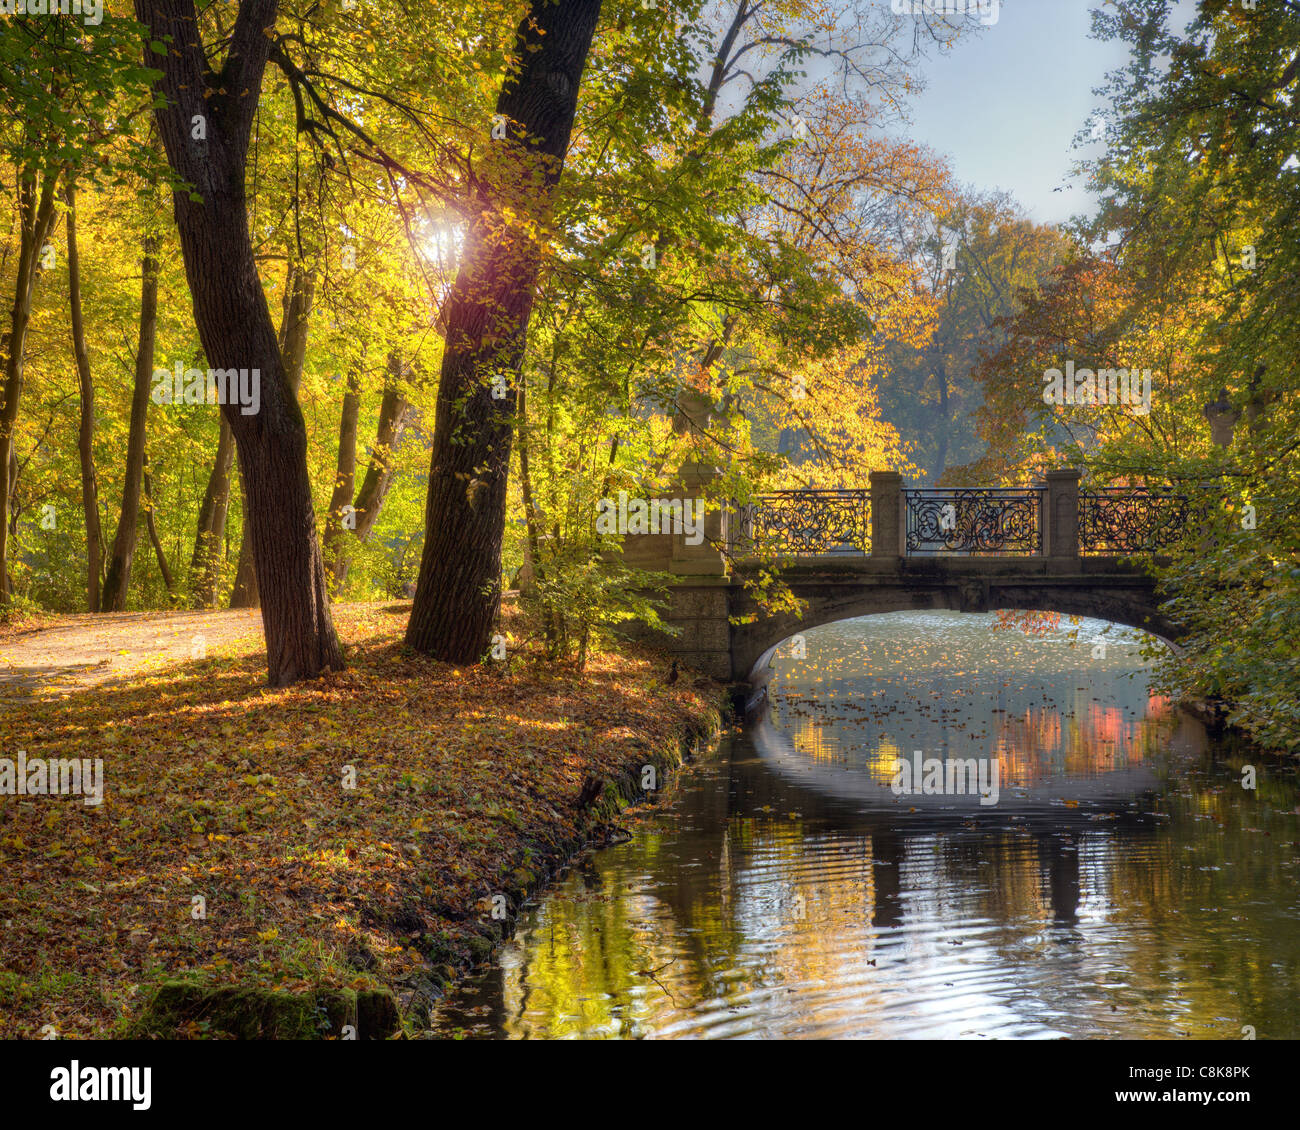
{"x": 459, "y": 589}
{"x": 36, "y": 221}
{"x": 117, "y": 580}
{"x": 299, "y": 291}
{"x": 205, "y": 563}
{"x": 234, "y": 323}
{"x": 86, "y": 430}
{"x": 344, "y": 476}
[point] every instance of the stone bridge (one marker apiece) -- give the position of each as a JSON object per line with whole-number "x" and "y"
{"x": 1050, "y": 547}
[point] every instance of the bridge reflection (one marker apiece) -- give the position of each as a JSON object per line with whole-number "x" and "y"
{"x": 785, "y": 890}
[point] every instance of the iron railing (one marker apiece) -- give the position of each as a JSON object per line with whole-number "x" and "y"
{"x": 1131, "y": 519}
{"x": 974, "y": 520}
{"x": 981, "y": 521}
{"x": 808, "y": 523}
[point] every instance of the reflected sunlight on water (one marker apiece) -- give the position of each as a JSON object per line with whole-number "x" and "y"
{"x": 1124, "y": 885}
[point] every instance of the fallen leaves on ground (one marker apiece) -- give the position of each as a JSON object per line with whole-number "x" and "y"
{"x": 228, "y": 849}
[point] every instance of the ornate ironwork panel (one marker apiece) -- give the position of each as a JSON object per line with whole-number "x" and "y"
{"x": 960, "y": 520}
{"x": 1130, "y": 519}
{"x": 808, "y": 523}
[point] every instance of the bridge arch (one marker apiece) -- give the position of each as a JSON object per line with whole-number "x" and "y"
{"x": 1118, "y": 593}
{"x": 848, "y": 553}
{"x": 1144, "y": 620}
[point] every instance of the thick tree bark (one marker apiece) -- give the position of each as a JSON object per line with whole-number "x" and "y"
{"x": 205, "y": 563}
{"x": 117, "y": 579}
{"x": 234, "y": 323}
{"x": 36, "y": 221}
{"x": 86, "y": 430}
{"x": 299, "y": 291}
{"x": 344, "y": 476}
{"x": 163, "y": 567}
{"x": 458, "y": 593}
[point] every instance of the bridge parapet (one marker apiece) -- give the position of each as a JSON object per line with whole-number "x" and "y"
{"x": 1054, "y": 519}
{"x": 1132, "y": 519}
{"x": 847, "y": 553}
{"x": 973, "y": 521}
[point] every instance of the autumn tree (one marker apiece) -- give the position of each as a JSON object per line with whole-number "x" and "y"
{"x": 978, "y": 260}
{"x": 47, "y": 132}
{"x": 205, "y": 116}
{"x": 458, "y": 591}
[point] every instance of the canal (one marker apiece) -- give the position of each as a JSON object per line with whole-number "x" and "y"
{"x": 1123, "y": 884}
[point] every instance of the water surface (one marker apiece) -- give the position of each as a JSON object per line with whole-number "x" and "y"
{"x": 1123, "y": 885}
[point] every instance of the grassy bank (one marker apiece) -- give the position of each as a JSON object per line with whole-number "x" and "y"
{"x": 287, "y": 862}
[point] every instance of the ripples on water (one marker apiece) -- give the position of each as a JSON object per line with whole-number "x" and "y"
{"x": 1125, "y": 885}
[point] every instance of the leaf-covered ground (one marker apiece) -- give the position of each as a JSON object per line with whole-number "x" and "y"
{"x": 221, "y": 789}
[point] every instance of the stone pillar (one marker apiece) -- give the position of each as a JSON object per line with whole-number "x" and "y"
{"x": 698, "y": 603}
{"x": 692, "y": 413}
{"x": 706, "y": 558}
{"x": 1061, "y": 517}
{"x": 886, "y": 514}
{"x": 698, "y": 607}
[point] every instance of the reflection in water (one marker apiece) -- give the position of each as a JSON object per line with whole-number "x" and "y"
{"x": 1124, "y": 885}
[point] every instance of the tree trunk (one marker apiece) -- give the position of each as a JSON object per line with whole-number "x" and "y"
{"x": 941, "y": 455}
{"x": 36, "y": 220}
{"x": 531, "y": 571}
{"x": 344, "y": 477}
{"x": 205, "y": 563}
{"x": 244, "y": 592}
{"x": 299, "y": 291}
{"x": 393, "y": 413}
{"x": 234, "y": 323}
{"x": 299, "y": 294}
{"x": 117, "y": 580}
{"x": 459, "y": 589}
{"x": 86, "y": 431}
{"x": 153, "y": 533}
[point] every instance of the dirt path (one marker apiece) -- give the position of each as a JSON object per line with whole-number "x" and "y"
{"x": 75, "y": 652}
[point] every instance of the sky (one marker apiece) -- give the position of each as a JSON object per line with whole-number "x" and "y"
{"x": 1004, "y": 105}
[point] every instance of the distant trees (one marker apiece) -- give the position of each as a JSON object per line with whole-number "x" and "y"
{"x": 979, "y": 263}
{"x": 1190, "y": 272}
{"x": 46, "y": 138}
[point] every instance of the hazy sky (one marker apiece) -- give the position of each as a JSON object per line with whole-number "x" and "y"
{"x": 1004, "y": 105}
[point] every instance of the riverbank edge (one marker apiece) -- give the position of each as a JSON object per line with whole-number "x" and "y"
{"x": 402, "y": 1008}
{"x": 1213, "y": 715}
{"x": 695, "y": 738}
